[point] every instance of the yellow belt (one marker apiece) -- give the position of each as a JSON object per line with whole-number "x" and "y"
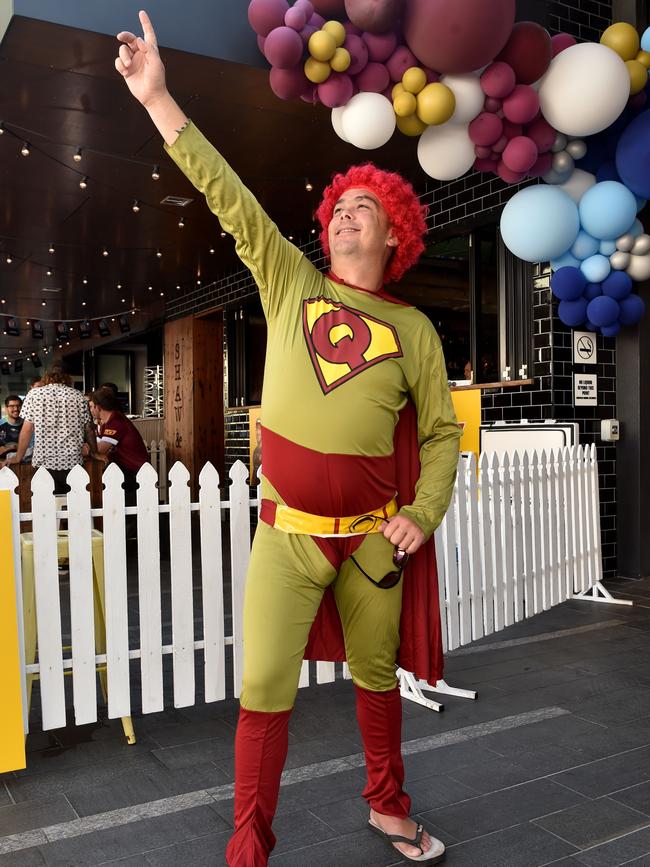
{"x": 294, "y": 521}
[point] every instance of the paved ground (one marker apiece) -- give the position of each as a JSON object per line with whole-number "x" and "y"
{"x": 550, "y": 766}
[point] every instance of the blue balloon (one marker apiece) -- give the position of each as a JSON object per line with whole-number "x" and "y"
{"x": 568, "y": 284}
{"x": 611, "y": 330}
{"x": 596, "y": 268}
{"x": 607, "y": 210}
{"x": 637, "y": 228}
{"x": 592, "y": 290}
{"x": 584, "y": 246}
{"x": 633, "y": 156}
{"x": 645, "y": 40}
{"x": 618, "y": 285}
{"x": 603, "y": 311}
{"x": 540, "y": 223}
{"x": 590, "y": 326}
{"x": 632, "y": 309}
{"x": 572, "y": 313}
{"x": 607, "y": 248}
{"x": 566, "y": 261}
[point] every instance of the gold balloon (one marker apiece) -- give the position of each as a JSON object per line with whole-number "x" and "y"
{"x": 317, "y": 71}
{"x": 623, "y": 39}
{"x": 644, "y": 58}
{"x": 337, "y": 30}
{"x": 436, "y": 104}
{"x": 341, "y": 60}
{"x": 411, "y": 125}
{"x": 405, "y": 104}
{"x": 414, "y": 79}
{"x": 322, "y": 45}
{"x": 638, "y": 76}
{"x": 397, "y": 89}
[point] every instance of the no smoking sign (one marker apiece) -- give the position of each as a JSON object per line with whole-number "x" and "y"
{"x": 584, "y": 347}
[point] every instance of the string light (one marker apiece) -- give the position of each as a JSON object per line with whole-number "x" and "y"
{"x": 77, "y": 155}
{"x": 104, "y": 252}
{"x": 25, "y": 149}
{"x": 49, "y": 272}
{"x": 155, "y": 174}
{"x": 50, "y": 249}
{"x": 83, "y": 183}
{"x": 223, "y": 234}
{"x": 135, "y": 207}
{"x": 181, "y": 223}
{"x": 159, "y": 254}
{"x": 2, "y": 127}
{"x": 211, "y": 250}
{"x": 9, "y": 260}
{"x": 308, "y": 185}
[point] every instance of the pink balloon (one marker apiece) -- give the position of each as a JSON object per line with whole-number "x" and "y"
{"x": 336, "y": 91}
{"x": 306, "y": 5}
{"x": 522, "y": 105}
{"x": 352, "y": 28}
{"x": 306, "y": 32}
{"x": 311, "y": 94}
{"x": 486, "y": 129}
{"x": 456, "y": 36}
{"x": 374, "y": 78}
{"x": 296, "y": 18}
{"x": 376, "y": 16}
{"x": 380, "y": 45}
{"x": 499, "y": 146}
{"x": 266, "y": 15}
{"x": 512, "y": 130}
{"x": 482, "y": 152}
{"x": 542, "y": 133}
{"x": 520, "y": 154}
{"x": 316, "y": 21}
{"x": 283, "y": 47}
{"x": 358, "y": 54}
{"x": 400, "y": 60}
{"x": 485, "y": 165}
{"x": 543, "y": 164}
{"x": 561, "y": 41}
{"x": 288, "y": 83}
{"x": 498, "y": 80}
{"x": 432, "y": 75}
{"x": 492, "y": 104}
{"x": 388, "y": 93}
{"x": 508, "y": 175}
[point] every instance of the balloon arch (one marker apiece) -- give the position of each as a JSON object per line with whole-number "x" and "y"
{"x": 482, "y": 92}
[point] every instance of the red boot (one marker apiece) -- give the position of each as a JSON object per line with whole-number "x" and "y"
{"x": 261, "y": 747}
{"x": 380, "y": 721}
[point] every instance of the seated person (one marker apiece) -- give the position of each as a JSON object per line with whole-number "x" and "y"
{"x": 118, "y": 439}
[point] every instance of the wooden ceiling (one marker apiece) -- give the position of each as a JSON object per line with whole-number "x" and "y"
{"x": 59, "y": 92}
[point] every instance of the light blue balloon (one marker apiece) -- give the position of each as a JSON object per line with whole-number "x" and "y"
{"x": 645, "y": 40}
{"x": 566, "y": 261}
{"x": 640, "y": 203}
{"x": 607, "y": 210}
{"x": 585, "y": 246}
{"x": 540, "y": 223}
{"x": 636, "y": 230}
{"x": 596, "y": 268}
{"x": 607, "y": 248}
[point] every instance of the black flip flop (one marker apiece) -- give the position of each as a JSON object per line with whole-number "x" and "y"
{"x": 434, "y": 855}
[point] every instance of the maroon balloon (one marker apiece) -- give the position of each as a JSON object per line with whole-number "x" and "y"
{"x": 374, "y": 78}
{"x": 561, "y": 41}
{"x": 336, "y": 91}
{"x": 351, "y": 28}
{"x": 456, "y": 36}
{"x": 329, "y": 8}
{"x": 522, "y": 105}
{"x": 485, "y": 165}
{"x": 508, "y": 175}
{"x": 316, "y": 21}
{"x": 283, "y": 47}
{"x": 485, "y": 129}
{"x": 498, "y": 80}
{"x": 543, "y": 164}
{"x": 306, "y": 32}
{"x": 499, "y": 146}
{"x": 542, "y": 133}
{"x": 512, "y": 130}
{"x": 492, "y": 104}
{"x": 400, "y": 60}
{"x": 520, "y": 154}
{"x": 380, "y": 46}
{"x": 266, "y": 15}
{"x": 375, "y": 16}
{"x": 288, "y": 83}
{"x": 432, "y": 75}
{"x": 638, "y": 101}
{"x": 529, "y": 51}
{"x": 358, "y": 54}
{"x": 482, "y": 152}
{"x": 311, "y": 94}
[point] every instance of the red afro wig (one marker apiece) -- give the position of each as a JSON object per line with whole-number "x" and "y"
{"x": 398, "y": 198}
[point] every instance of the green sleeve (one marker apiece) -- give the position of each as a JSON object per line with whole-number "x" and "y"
{"x": 438, "y": 436}
{"x": 272, "y": 260}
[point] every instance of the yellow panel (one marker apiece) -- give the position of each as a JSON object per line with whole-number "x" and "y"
{"x": 12, "y": 738}
{"x": 467, "y": 404}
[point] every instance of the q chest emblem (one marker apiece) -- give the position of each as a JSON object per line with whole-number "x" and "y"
{"x": 343, "y": 342}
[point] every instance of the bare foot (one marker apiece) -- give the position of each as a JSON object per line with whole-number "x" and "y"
{"x": 405, "y": 828}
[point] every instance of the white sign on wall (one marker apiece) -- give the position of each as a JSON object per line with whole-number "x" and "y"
{"x": 584, "y": 347}
{"x": 585, "y": 389}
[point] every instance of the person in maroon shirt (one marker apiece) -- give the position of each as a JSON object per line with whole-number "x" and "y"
{"x": 118, "y": 440}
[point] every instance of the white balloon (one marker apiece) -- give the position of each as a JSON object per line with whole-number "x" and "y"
{"x": 578, "y": 184}
{"x": 469, "y": 96}
{"x": 639, "y": 268}
{"x": 619, "y": 260}
{"x": 641, "y": 245}
{"x": 446, "y": 152}
{"x": 625, "y": 242}
{"x": 368, "y": 120}
{"x": 585, "y": 89}
{"x": 337, "y": 122}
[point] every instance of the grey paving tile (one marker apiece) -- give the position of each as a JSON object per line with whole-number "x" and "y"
{"x": 303, "y": 753}
{"x": 297, "y": 830}
{"x": 524, "y": 845}
{"x": 608, "y": 775}
{"x": 623, "y": 705}
{"x": 491, "y": 775}
{"x": 593, "y": 822}
{"x": 31, "y": 857}
{"x": 34, "y": 814}
{"x": 4, "y": 794}
{"x": 185, "y": 825}
{"x": 566, "y": 728}
{"x": 499, "y": 810}
{"x": 433, "y": 793}
{"x": 445, "y": 760}
{"x": 84, "y": 851}
{"x": 131, "y": 861}
{"x": 186, "y": 732}
{"x": 202, "y": 852}
{"x": 637, "y": 797}
{"x": 186, "y": 755}
{"x": 362, "y": 849}
{"x": 627, "y": 848}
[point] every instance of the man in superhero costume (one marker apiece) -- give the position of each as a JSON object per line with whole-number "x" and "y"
{"x": 345, "y": 496}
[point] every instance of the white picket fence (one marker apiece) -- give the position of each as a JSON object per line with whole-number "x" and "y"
{"x": 520, "y": 536}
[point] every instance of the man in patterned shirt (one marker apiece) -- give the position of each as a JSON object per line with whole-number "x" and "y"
{"x": 58, "y": 416}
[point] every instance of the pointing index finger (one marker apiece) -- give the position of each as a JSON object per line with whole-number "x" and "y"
{"x": 147, "y": 28}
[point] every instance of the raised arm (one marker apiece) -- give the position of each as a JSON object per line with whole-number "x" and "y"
{"x": 140, "y": 65}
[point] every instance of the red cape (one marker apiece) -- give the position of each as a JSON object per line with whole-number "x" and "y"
{"x": 420, "y": 648}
